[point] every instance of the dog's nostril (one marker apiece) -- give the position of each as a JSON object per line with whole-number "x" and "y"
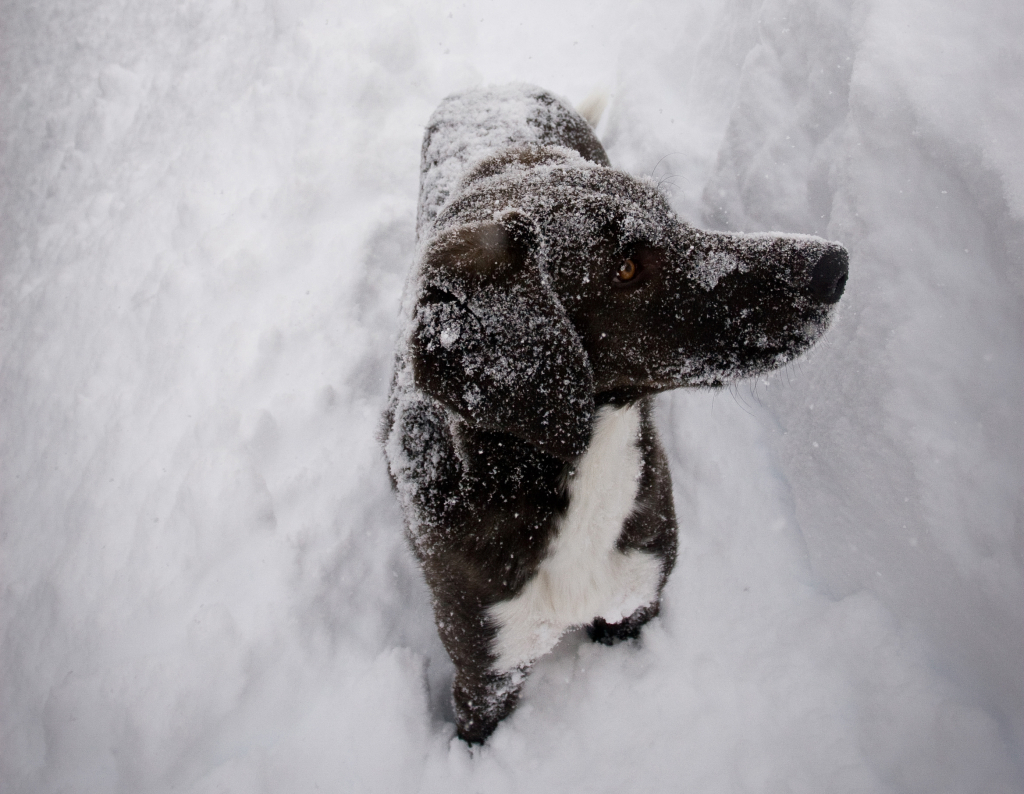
{"x": 828, "y": 279}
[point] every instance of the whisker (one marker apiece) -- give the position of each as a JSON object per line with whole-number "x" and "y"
{"x": 754, "y": 394}
{"x": 734, "y": 390}
{"x": 660, "y": 162}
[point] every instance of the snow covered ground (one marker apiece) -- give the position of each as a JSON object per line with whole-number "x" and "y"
{"x": 207, "y": 215}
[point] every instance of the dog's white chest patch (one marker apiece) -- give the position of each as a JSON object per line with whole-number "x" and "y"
{"x": 583, "y": 575}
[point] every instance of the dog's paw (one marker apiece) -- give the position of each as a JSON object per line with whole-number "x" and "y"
{"x": 610, "y": 633}
{"x": 629, "y": 629}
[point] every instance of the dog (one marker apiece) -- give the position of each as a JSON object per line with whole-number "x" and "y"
{"x": 551, "y": 298}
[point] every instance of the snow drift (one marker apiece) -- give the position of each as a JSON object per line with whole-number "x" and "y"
{"x": 207, "y": 216}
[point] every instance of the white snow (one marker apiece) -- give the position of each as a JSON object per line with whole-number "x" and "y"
{"x": 207, "y": 216}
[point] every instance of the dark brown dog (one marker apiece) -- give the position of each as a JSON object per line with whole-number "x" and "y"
{"x": 551, "y": 298}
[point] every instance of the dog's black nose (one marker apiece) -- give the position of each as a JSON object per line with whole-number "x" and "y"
{"x": 828, "y": 279}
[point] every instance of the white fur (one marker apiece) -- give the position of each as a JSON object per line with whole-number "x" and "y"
{"x": 583, "y": 575}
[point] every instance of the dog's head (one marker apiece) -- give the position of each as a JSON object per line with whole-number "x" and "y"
{"x": 552, "y": 285}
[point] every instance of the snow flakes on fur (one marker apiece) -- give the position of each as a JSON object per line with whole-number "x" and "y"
{"x": 547, "y": 289}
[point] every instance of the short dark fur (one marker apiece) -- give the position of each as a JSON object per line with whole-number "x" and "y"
{"x": 519, "y": 328}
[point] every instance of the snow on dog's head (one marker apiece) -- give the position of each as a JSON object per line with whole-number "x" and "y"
{"x": 547, "y": 281}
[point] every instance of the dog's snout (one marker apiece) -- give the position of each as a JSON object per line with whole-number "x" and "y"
{"x": 828, "y": 279}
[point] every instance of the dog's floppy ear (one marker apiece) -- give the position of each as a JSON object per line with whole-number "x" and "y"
{"x": 491, "y": 341}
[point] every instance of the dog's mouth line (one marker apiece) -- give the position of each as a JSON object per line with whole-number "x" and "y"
{"x": 626, "y": 392}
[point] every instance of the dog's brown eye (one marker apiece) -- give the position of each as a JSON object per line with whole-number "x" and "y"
{"x": 628, "y": 271}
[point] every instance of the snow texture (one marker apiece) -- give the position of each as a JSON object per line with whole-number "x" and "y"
{"x": 471, "y": 125}
{"x": 207, "y": 217}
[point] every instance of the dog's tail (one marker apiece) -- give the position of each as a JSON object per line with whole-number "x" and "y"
{"x": 592, "y": 108}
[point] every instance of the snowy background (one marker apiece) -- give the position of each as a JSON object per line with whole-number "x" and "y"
{"x": 207, "y": 216}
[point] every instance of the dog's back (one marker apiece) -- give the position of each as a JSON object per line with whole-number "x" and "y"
{"x": 468, "y": 126}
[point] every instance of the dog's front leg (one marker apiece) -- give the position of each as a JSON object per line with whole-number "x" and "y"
{"x": 483, "y": 698}
{"x": 483, "y": 695}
